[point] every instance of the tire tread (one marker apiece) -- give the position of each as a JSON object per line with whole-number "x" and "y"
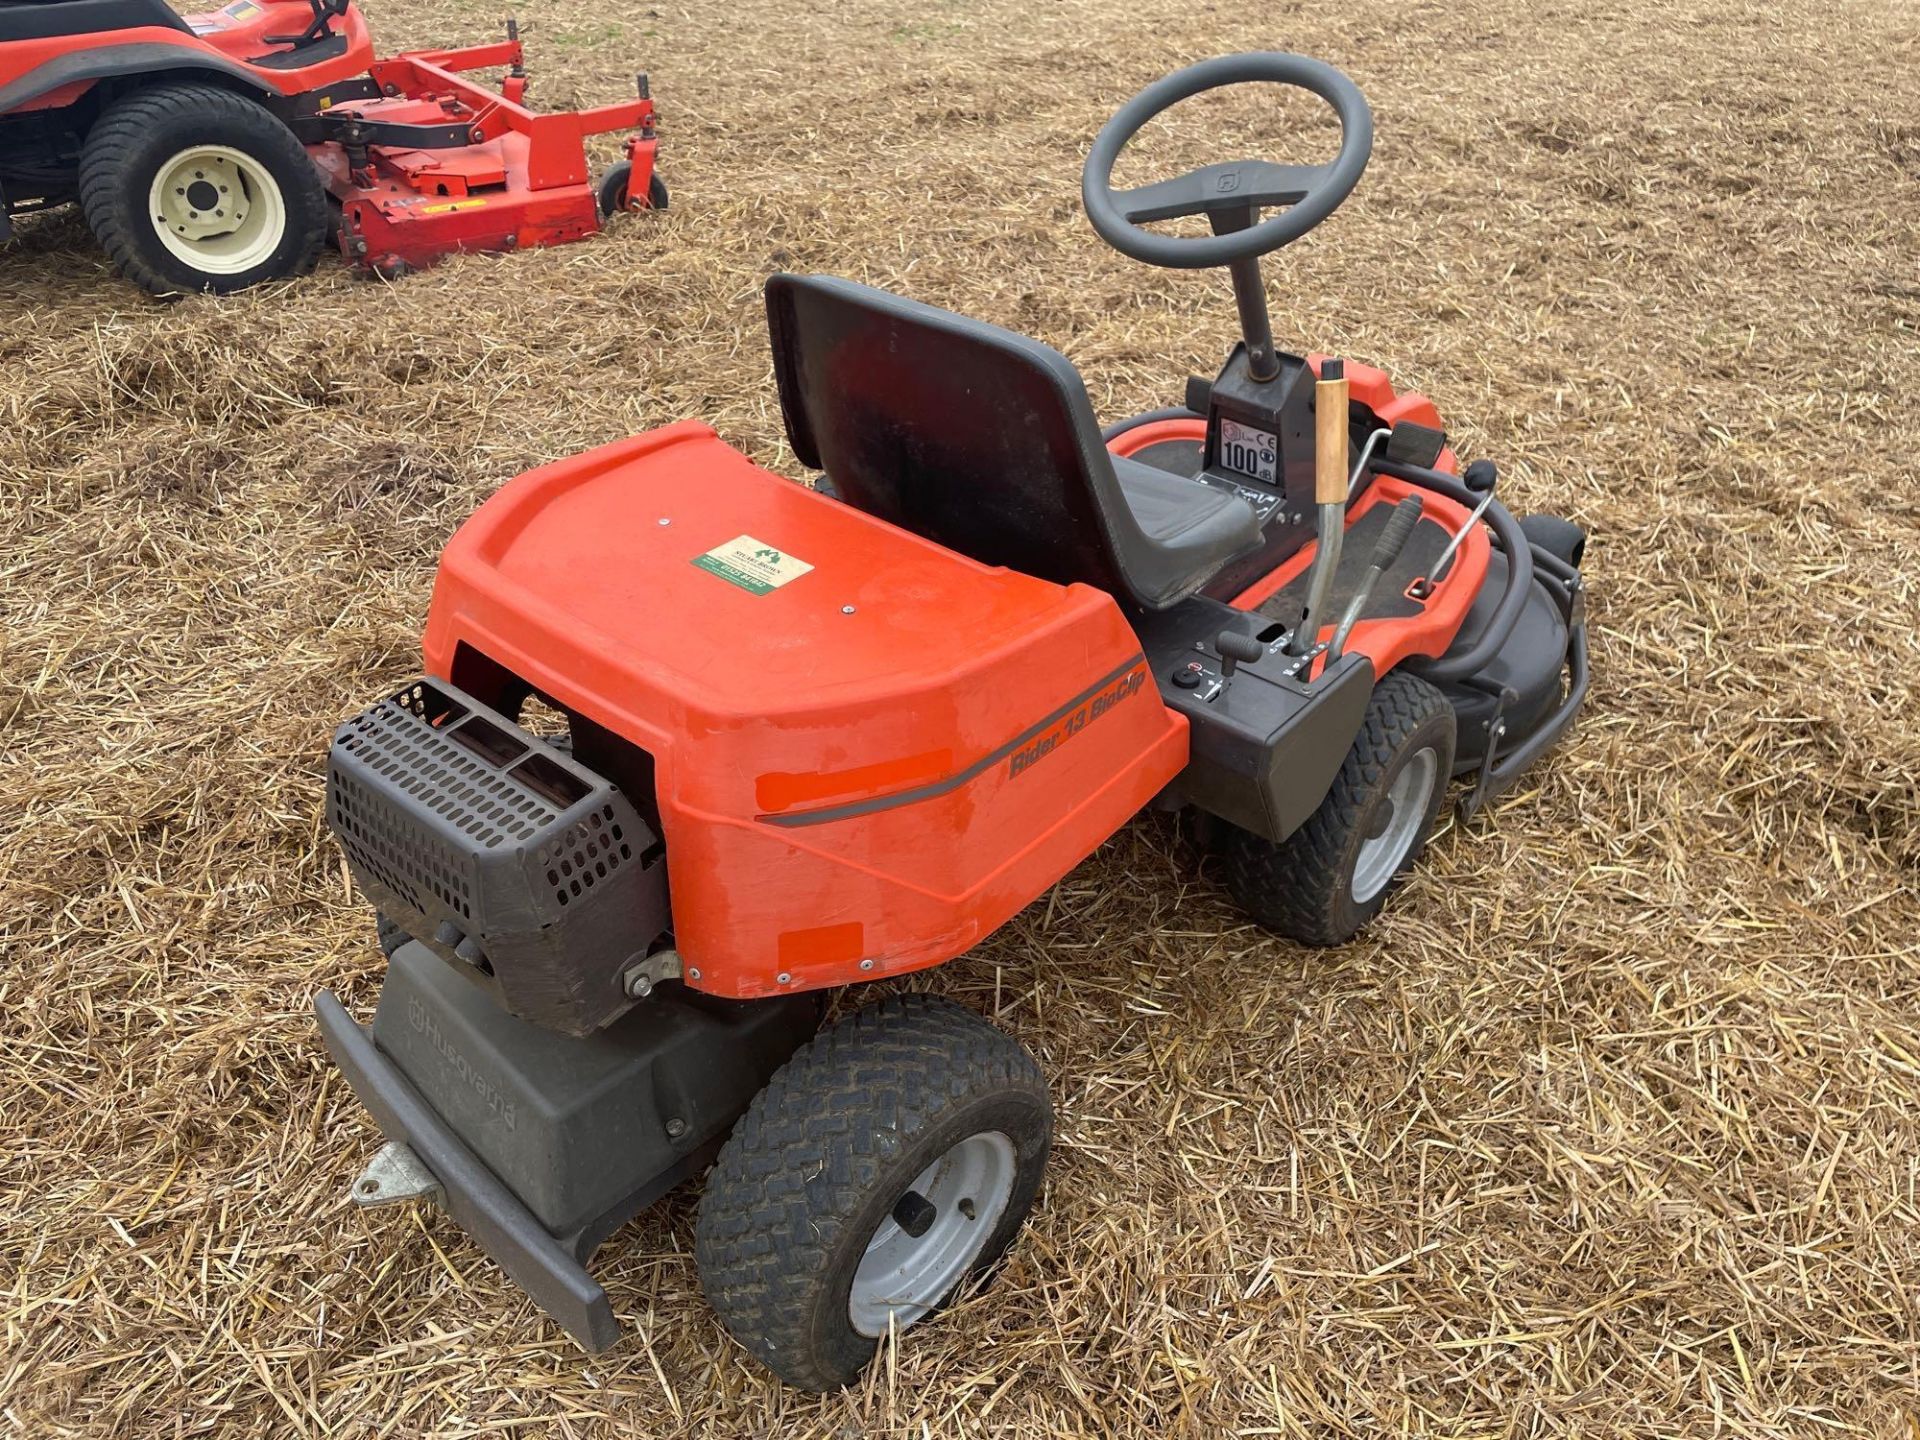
{"x": 1293, "y": 887}
{"x": 806, "y": 1157}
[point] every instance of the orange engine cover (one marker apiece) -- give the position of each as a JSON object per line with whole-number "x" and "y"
{"x": 869, "y": 751}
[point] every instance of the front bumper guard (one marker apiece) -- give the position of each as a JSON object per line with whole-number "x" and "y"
{"x": 537, "y": 1261}
{"x": 1500, "y": 771}
{"x": 540, "y": 1145}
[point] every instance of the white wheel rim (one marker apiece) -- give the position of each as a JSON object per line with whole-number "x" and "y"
{"x": 217, "y": 210}
{"x": 1381, "y": 857}
{"x": 901, "y": 1277}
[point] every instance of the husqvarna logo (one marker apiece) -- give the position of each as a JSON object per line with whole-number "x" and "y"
{"x": 490, "y": 1094}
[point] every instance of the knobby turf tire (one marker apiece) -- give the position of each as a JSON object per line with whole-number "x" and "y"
{"x": 825, "y": 1152}
{"x": 1303, "y": 887}
{"x": 142, "y": 131}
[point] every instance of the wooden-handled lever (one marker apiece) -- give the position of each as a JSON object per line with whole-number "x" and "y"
{"x": 1329, "y": 494}
{"x": 1330, "y": 434}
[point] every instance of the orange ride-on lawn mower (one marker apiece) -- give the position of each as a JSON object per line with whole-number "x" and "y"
{"x": 211, "y": 152}
{"x": 811, "y": 741}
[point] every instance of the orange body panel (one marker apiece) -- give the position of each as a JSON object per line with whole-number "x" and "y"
{"x": 237, "y": 34}
{"x": 863, "y": 767}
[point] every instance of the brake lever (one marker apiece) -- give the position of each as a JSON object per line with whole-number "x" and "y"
{"x": 1393, "y": 539}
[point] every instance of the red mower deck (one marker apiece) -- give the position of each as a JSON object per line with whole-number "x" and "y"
{"x": 181, "y": 138}
{"x": 431, "y": 163}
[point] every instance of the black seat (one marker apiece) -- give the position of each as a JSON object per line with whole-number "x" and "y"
{"x": 985, "y": 442}
{"x": 46, "y": 19}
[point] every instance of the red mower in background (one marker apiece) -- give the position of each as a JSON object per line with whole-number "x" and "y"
{"x": 788, "y": 740}
{"x": 215, "y": 151}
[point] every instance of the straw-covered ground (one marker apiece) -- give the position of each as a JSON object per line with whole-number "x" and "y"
{"x": 1609, "y": 1127}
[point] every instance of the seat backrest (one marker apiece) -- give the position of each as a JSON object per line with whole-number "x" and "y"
{"x": 974, "y": 437}
{"x": 48, "y": 19}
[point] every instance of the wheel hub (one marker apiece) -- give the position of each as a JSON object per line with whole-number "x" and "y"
{"x": 217, "y": 209}
{"x": 1395, "y": 825}
{"x": 915, "y": 1214}
{"x": 933, "y": 1234}
{"x": 204, "y": 196}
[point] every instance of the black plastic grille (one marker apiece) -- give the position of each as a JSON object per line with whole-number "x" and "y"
{"x": 407, "y": 859}
{"x": 397, "y": 742}
{"x": 585, "y": 853}
{"x": 500, "y": 851}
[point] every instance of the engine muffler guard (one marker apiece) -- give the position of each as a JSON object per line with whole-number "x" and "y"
{"x": 541, "y": 1145}
{"x": 501, "y": 852}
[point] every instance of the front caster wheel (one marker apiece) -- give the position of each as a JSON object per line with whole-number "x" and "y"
{"x": 896, "y": 1154}
{"x": 1331, "y": 876}
{"x": 613, "y": 196}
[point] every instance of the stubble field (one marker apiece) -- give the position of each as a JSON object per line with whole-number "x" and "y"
{"x": 1609, "y": 1127}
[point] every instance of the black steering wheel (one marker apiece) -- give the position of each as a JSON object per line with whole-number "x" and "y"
{"x": 1229, "y": 195}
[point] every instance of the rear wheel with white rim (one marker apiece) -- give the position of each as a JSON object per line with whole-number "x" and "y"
{"x": 189, "y": 187}
{"x": 895, "y": 1155}
{"x": 1331, "y": 876}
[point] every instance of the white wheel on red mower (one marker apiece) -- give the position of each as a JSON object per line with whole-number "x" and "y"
{"x": 217, "y": 209}
{"x": 896, "y": 1154}
{"x": 190, "y": 187}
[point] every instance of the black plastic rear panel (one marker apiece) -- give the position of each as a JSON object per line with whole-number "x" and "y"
{"x": 499, "y": 851}
{"x": 584, "y": 1131}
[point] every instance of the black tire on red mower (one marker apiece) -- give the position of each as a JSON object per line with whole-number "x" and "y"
{"x": 612, "y": 195}
{"x": 915, "y": 1091}
{"x": 165, "y": 128}
{"x": 1313, "y": 887}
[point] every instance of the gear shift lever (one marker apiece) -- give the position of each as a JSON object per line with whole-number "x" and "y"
{"x": 1330, "y": 492}
{"x": 1236, "y": 648}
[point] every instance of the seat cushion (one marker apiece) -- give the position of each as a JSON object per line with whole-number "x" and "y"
{"x": 1194, "y": 528}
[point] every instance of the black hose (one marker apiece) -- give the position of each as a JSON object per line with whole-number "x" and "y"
{"x": 1513, "y": 601}
{"x": 1170, "y": 412}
